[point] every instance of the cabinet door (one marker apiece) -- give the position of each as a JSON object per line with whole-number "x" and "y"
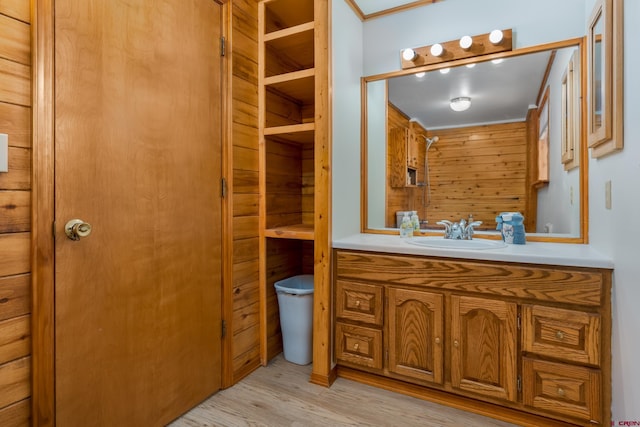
{"x": 412, "y": 149}
{"x": 415, "y": 334}
{"x": 483, "y": 346}
{"x": 397, "y": 157}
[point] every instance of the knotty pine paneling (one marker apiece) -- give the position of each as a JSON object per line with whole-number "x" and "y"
{"x": 15, "y": 213}
{"x": 15, "y": 121}
{"x": 16, "y": 415}
{"x": 17, "y": 9}
{"x": 14, "y": 377}
{"x": 244, "y": 189}
{"x": 15, "y": 296}
{"x": 15, "y": 40}
{"x": 15, "y": 338}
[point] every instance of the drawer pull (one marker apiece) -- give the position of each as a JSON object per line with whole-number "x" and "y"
{"x": 356, "y": 346}
{"x": 456, "y": 343}
{"x": 437, "y": 340}
{"x": 561, "y": 391}
{"x": 560, "y": 335}
{"x": 358, "y": 303}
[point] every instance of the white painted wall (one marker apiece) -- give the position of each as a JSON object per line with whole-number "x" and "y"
{"x": 347, "y": 70}
{"x": 614, "y": 232}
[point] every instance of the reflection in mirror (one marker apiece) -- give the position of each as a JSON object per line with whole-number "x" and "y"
{"x": 599, "y": 63}
{"x": 422, "y": 155}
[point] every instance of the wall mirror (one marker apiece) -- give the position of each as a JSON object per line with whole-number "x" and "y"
{"x": 419, "y": 154}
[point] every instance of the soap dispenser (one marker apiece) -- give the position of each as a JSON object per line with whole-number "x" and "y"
{"x": 406, "y": 227}
{"x": 415, "y": 221}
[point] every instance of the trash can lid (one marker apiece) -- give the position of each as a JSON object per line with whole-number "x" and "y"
{"x": 298, "y": 285}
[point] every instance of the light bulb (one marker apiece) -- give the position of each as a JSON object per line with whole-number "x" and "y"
{"x": 496, "y": 36}
{"x": 445, "y": 70}
{"x": 420, "y": 75}
{"x": 436, "y": 49}
{"x": 473, "y": 64}
{"x": 497, "y": 61}
{"x": 409, "y": 55}
{"x": 466, "y": 42}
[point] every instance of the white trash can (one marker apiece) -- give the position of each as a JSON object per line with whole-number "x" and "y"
{"x": 295, "y": 300}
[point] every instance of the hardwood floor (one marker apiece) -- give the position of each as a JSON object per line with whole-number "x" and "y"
{"x": 280, "y": 395}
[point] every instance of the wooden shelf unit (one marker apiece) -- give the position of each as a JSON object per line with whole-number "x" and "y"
{"x": 294, "y": 156}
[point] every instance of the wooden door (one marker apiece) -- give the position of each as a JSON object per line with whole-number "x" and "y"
{"x": 415, "y": 334}
{"x": 138, "y": 156}
{"x": 483, "y": 346}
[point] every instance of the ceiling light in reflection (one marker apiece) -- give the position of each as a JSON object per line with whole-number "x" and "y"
{"x": 471, "y": 65}
{"x": 420, "y": 75}
{"x": 497, "y": 61}
{"x": 445, "y": 70}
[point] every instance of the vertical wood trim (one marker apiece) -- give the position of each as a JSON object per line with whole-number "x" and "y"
{"x": 227, "y": 202}
{"x": 322, "y": 313}
{"x": 43, "y": 398}
{"x": 262, "y": 209}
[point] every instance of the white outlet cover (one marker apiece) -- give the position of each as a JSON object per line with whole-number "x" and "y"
{"x": 4, "y": 152}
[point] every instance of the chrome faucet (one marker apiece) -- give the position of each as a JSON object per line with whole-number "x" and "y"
{"x": 458, "y": 230}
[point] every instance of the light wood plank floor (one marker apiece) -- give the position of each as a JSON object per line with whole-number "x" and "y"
{"x": 280, "y": 395}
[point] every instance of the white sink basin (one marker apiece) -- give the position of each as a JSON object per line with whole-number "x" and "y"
{"x": 442, "y": 243}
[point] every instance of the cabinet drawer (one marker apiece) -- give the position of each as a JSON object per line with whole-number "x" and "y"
{"x": 358, "y": 345}
{"x": 359, "y": 302}
{"x": 563, "y": 334}
{"x": 562, "y": 389}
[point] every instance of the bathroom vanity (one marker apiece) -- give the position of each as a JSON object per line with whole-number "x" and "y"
{"x": 521, "y": 333}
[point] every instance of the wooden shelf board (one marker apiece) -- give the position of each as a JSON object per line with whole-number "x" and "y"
{"x": 297, "y": 85}
{"x": 296, "y": 231}
{"x": 302, "y": 133}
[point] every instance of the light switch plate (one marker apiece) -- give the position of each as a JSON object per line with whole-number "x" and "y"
{"x": 607, "y": 194}
{"x": 4, "y": 152}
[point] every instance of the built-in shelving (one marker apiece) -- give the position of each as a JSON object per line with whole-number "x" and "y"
{"x": 293, "y": 155}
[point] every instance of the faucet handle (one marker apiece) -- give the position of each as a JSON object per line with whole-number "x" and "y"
{"x": 447, "y": 227}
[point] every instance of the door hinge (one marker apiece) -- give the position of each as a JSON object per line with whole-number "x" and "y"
{"x": 223, "y": 187}
{"x": 223, "y": 46}
{"x": 519, "y": 383}
{"x": 224, "y": 328}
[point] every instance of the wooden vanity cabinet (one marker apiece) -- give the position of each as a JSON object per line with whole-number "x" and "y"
{"x": 529, "y": 342}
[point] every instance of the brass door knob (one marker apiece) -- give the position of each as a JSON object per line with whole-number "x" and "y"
{"x": 76, "y": 229}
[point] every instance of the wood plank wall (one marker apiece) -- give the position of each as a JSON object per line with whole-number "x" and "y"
{"x": 245, "y": 322}
{"x": 478, "y": 170}
{"x": 15, "y": 217}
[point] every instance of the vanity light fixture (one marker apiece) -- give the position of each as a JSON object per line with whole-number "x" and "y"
{"x": 468, "y": 46}
{"x": 409, "y": 54}
{"x": 466, "y": 42}
{"x": 496, "y": 37}
{"x": 460, "y": 103}
{"x": 445, "y": 70}
{"x": 436, "y": 49}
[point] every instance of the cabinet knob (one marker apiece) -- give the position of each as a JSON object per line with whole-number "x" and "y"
{"x": 456, "y": 343}
{"x": 437, "y": 340}
{"x": 356, "y": 346}
{"x": 561, "y": 391}
{"x": 560, "y": 335}
{"x": 358, "y": 303}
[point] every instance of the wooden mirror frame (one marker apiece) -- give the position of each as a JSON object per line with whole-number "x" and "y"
{"x": 582, "y": 153}
{"x": 605, "y": 94}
